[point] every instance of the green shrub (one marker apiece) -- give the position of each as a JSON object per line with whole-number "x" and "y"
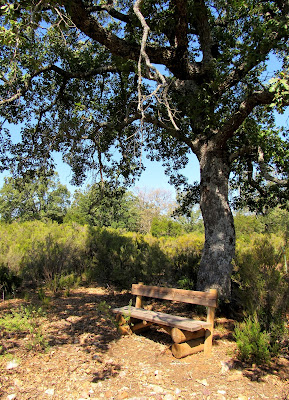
{"x": 63, "y": 282}
{"x": 9, "y": 282}
{"x": 261, "y": 287}
{"x": 253, "y": 344}
{"x": 184, "y": 255}
{"x": 28, "y": 321}
{"x": 37, "y": 250}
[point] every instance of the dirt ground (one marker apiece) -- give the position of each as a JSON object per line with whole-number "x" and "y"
{"x": 86, "y": 358}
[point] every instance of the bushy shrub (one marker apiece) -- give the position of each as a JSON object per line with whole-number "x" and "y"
{"x": 43, "y": 252}
{"x": 261, "y": 287}
{"x": 9, "y": 282}
{"x": 253, "y": 344}
{"x": 38, "y": 251}
{"x": 184, "y": 255}
{"x": 124, "y": 258}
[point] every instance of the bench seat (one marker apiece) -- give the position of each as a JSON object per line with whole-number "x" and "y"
{"x": 160, "y": 318}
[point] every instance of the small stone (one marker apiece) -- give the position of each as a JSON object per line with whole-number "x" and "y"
{"x": 177, "y": 391}
{"x": 225, "y": 367}
{"x": 157, "y": 389}
{"x": 122, "y": 374}
{"x": 50, "y": 392}
{"x": 12, "y": 364}
{"x": 242, "y": 397}
{"x": 11, "y": 396}
{"x": 203, "y": 382}
{"x": 17, "y": 382}
{"x": 169, "y": 397}
{"x": 222, "y": 391}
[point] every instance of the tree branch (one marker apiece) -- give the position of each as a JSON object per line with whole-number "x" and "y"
{"x": 204, "y": 31}
{"x": 240, "y": 152}
{"x": 177, "y": 134}
{"x": 118, "y": 46}
{"x": 111, "y": 11}
{"x": 265, "y": 172}
{"x": 251, "y": 181}
{"x": 89, "y": 25}
{"x": 245, "y": 108}
{"x": 257, "y": 53}
{"x": 65, "y": 74}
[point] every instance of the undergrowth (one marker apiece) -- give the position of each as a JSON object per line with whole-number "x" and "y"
{"x": 24, "y": 320}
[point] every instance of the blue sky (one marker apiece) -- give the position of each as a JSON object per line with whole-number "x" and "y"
{"x": 153, "y": 177}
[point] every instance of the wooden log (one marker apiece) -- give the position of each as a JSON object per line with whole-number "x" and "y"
{"x": 180, "y": 336}
{"x": 168, "y": 329}
{"x": 208, "y": 299}
{"x": 124, "y": 330}
{"x": 181, "y": 350}
{"x": 141, "y": 326}
{"x": 123, "y": 327}
{"x": 120, "y": 320}
{"x": 138, "y": 300}
{"x": 209, "y": 332}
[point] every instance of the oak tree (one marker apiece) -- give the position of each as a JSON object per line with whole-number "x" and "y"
{"x": 105, "y": 81}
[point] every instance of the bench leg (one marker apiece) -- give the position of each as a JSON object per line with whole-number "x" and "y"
{"x": 181, "y": 350}
{"x": 123, "y": 326}
{"x": 209, "y": 332}
{"x": 180, "y": 336}
{"x": 141, "y": 326}
{"x": 208, "y": 342}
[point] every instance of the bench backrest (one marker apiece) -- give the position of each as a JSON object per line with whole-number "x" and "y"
{"x": 208, "y": 299}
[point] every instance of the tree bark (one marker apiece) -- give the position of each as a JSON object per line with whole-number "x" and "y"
{"x": 219, "y": 248}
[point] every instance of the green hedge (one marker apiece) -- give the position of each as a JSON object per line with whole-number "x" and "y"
{"x": 40, "y": 251}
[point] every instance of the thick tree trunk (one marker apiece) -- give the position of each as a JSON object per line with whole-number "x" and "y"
{"x": 219, "y": 249}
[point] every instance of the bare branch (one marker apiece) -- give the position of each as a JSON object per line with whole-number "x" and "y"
{"x": 156, "y": 75}
{"x": 243, "y": 151}
{"x": 251, "y": 180}
{"x": 265, "y": 170}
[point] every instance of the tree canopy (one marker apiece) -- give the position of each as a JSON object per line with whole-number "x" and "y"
{"x": 41, "y": 198}
{"x": 103, "y": 204}
{"x": 104, "y": 81}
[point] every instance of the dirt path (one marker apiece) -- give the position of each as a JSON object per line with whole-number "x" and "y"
{"x": 87, "y": 359}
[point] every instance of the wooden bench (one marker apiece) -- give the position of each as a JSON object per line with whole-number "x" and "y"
{"x": 190, "y": 336}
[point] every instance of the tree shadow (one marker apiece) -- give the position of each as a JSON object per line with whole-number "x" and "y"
{"x": 84, "y": 318}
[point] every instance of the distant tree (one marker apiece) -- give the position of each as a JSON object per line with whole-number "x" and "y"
{"x": 104, "y": 204}
{"x": 40, "y": 198}
{"x": 248, "y": 223}
{"x": 276, "y": 221}
{"x": 191, "y": 222}
{"x": 164, "y": 226}
{"x": 153, "y": 203}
